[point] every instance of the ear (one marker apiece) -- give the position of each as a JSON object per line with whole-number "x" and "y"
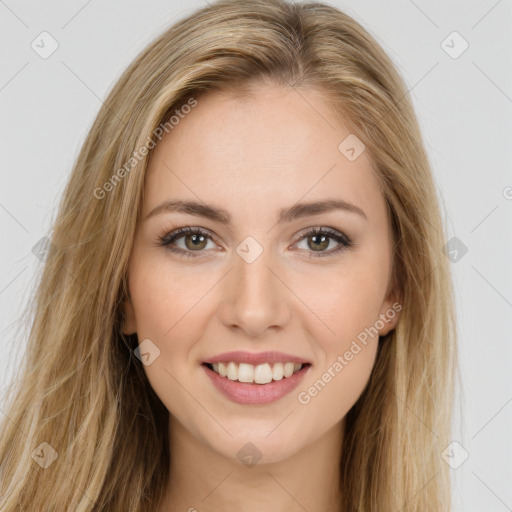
{"x": 389, "y": 315}
{"x": 129, "y": 323}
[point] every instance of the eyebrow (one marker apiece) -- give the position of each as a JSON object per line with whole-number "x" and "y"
{"x": 296, "y": 211}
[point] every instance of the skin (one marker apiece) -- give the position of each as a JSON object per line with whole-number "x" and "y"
{"x": 253, "y": 157}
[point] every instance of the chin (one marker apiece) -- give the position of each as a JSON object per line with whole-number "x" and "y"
{"x": 260, "y": 449}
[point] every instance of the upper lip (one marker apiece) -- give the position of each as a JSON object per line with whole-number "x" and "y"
{"x": 255, "y": 358}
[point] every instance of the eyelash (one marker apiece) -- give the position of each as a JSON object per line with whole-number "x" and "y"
{"x": 167, "y": 238}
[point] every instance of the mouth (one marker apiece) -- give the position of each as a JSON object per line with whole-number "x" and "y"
{"x": 255, "y": 384}
{"x": 260, "y": 374}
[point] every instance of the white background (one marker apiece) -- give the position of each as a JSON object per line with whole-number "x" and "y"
{"x": 464, "y": 106}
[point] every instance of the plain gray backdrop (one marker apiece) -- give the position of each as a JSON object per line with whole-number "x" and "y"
{"x": 456, "y": 58}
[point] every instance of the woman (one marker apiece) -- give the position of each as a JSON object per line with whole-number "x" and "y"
{"x": 245, "y": 303}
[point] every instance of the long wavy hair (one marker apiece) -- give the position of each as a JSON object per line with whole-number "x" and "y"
{"x": 80, "y": 388}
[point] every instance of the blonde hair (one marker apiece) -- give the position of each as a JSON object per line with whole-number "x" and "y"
{"x": 82, "y": 390}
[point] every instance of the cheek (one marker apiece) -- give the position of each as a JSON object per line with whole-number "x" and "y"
{"x": 349, "y": 346}
{"x": 167, "y": 306}
{"x": 335, "y": 388}
{"x": 347, "y": 300}
{"x": 348, "y": 304}
{"x": 165, "y": 298}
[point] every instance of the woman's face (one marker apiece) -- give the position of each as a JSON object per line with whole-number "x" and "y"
{"x": 254, "y": 281}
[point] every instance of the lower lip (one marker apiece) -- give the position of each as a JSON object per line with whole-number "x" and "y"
{"x": 255, "y": 394}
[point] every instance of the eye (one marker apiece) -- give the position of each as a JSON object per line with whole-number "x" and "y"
{"x": 196, "y": 239}
{"x": 321, "y": 240}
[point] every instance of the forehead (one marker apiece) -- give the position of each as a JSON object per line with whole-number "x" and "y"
{"x": 266, "y": 150}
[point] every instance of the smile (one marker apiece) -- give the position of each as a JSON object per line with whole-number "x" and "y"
{"x": 260, "y": 384}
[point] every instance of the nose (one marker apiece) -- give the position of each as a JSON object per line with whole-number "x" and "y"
{"x": 255, "y": 297}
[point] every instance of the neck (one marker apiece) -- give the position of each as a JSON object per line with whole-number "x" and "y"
{"x": 203, "y": 479}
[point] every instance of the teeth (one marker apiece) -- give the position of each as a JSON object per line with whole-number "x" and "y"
{"x": 245, "y": 372}
{"x": 278, "y": 371}
{"x": 260, "y": 374}
{"x": 223, "y": 371}
{"x": 232, "y": 371}
{"x": 288, "y": 369}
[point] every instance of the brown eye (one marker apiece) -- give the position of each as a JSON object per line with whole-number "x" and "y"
{"x": 195, "y": 241}
{"x": 320, "y": 242}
